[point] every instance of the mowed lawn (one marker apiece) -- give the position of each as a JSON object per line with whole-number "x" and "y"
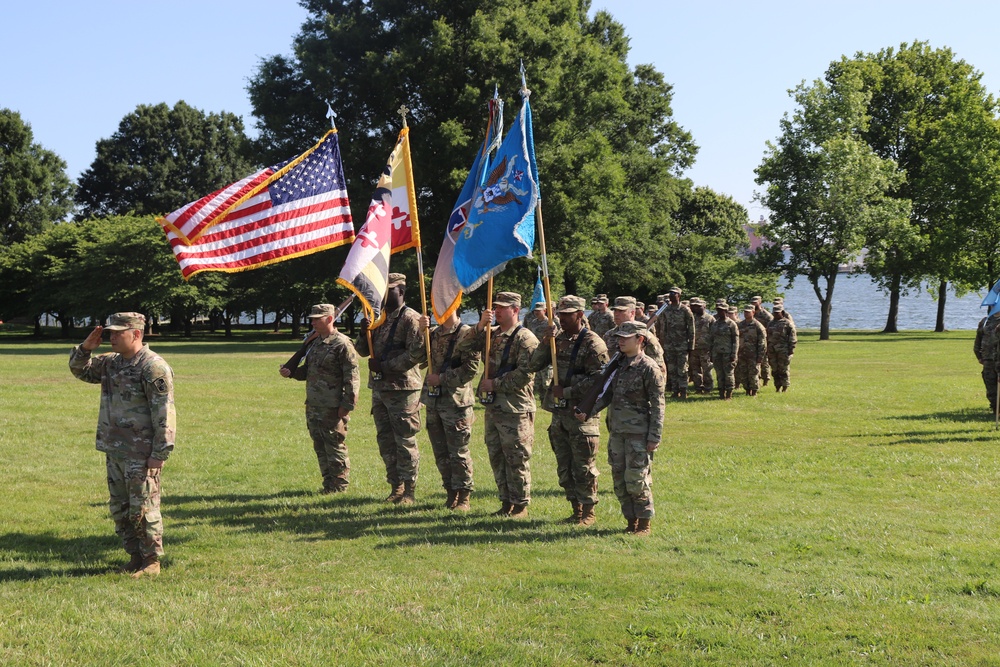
{"x": 852, "y": 520}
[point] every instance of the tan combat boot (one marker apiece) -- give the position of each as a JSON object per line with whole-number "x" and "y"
{"x": 587, "y": 517}
{"x": 504, "y": 509}
{"x": 134, "y": 565}
{"x": 150, "y": 567}
{"x": 574, "y": 518}
{"x": 409, "y": 486}
{"x": 452, "y": 499}
{"x": 518, "y": 511}
{"x": 630, "y": 528}
{"x": 641, "y": 528}
{"x": 397, "y": 493}
{"x": 462, "y": 501}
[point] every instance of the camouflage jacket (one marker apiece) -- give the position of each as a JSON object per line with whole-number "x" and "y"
{"x": 651, "y": 350}
{"x": 513, "y": 387}
{"x": 781, "y": 337}
{"x": 701, "y": 326}
{"x": 457, "y": 374}
{"x": 753, "y": 341}
{"x": 764, "y": 317}
{"x": 330, "y": 370}
{"x": 137, "y": 418}
{"x": 634, "y": 399}
{"x": 538, "y": 326}
{"x": 987, "y": 339}
{"x": 399, "y": 371}
{"x": 675, "y": 328}
{"x": 724, "y": 338}
{"x": 601, "y": 323}
{"x": 577, "y": 377}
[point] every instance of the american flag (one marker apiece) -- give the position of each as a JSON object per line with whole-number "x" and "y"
{"x": 289, "y": 210}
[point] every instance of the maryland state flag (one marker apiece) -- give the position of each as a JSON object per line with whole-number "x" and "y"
{"x": 391, "y": 226}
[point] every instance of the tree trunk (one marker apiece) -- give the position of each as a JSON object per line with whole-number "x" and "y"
{"x": 894, "y": 289}
{"x": 227, "y": 322}
{"x": 187, "y": 326}
{"x": 825, "y": 303}
{"x": 942, "y": 298}
{"x": 38, "y": 326}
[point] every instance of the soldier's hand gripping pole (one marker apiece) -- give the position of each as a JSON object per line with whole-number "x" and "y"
{"x": 294, "y": 361}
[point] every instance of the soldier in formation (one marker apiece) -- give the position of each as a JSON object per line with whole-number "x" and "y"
{"x": 781, "y": 340}
{"x": 635, "y": 403}
{"x": 135, "y": 430}
{"x": 507, "y": 391}
{"x": 537, "y": 322}
{"x": 330, "y": 371}
{"x": 753, "y": 350}
{"x": 701, "y": 356}
{"x": 624, "y": 311}
{"x": 601, "y": 320}
{"x": 580, "y": 356}
{"x": 763, "y": 316}
{"x": 676, "y": 333}
{"x": 724, "y": 344}
{"x": 395, "y": 381}
{"x": 985, "y": 349}
{"x": 448, "y": 398}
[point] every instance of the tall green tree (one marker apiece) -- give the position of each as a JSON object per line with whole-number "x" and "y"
{"x": 610, "y": 153}
{"x": 826, "y": 189}
{"x": 161, "y": 158}
{"x": 35, "y": 191}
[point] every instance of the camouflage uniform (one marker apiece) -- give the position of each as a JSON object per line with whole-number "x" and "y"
{"x": 635, "y": 417}
{"x": 330, "y": 371}
{"x": 601, "y": 323}
{"x": 764, "y": 317}
{"x": 753, "y": 349}
{"x": 137, "y": 422}
{"x": 510, "y": 418}
{"x": 449, "y": 413}
{"x": 652, "y": 349}
{"x": 676, "y": 333}
{"x": 701, "y": 358}
{"x": 580, "y": 359}
{"x": 543, "y": 378}
{"x": 724, "y": 344}
{"x": 396, "y": 397}
{"x": 985, "y": 348}
{"x": 781, "y": 340}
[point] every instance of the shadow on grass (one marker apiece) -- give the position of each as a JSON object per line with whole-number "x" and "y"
{"x": 963, "y": 415}
{"x": 350, "y": 517}
{"x": 49, "y": 555}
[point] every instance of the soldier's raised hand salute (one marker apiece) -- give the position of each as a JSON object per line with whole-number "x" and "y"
{"x": 93, "y": 340}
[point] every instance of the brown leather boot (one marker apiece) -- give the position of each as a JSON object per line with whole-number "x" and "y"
{"x": 452, "y": 499}
{"x": 462, "y": 500}
{"x": 409, "y": 486}
{"x": 150, "y": 567}
{"x": 134, "y": 565}
{"x": 587, "y": 517}
{"x": 630, "y": 528}
{"x": 397, "y": 493}
{"x": 504, "y": 509}
{"x": 574, "y": 518}
{"x": 684, "y": 394}
{"x": 641, "y": 527}
{"x": 518, "y": 511}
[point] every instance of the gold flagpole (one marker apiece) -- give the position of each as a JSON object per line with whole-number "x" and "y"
{"x": 489, "y": 329}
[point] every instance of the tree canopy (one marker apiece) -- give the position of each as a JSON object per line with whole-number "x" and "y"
{"x": 34, "y": 188}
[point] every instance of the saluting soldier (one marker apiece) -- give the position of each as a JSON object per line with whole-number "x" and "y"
{"x": 724, "y": 343}
{"x": 753, "y": 349}
{"x": 537, "y": 322}
{"x": 601, "y": 320}
{"x": 985, "y": 349}
{"x": 676, "y": 333}
{"x": 701, "y": 357}
{"x": 781, "y": 340}
{"x": 395, "y": 381}
{"x": 580, "y": 356}
{"x": 448, "y": 398}
{"x": 330, "y": 371}
{"x": 635, "y": 403}
{"x": 135, "y": 430}
{"x": 624, "y": 310}
{"x": 763, "y": 316}
{"x": 510, "y": 401}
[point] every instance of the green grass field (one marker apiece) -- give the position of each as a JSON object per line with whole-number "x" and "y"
{"x": 852, "y": 520}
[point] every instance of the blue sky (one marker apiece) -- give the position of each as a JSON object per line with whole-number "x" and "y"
{"x": 74, "y": 69}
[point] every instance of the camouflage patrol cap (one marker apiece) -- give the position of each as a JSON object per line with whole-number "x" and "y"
{"x": 639, "y": 305}
{"x": 126, "y": 321}
{"x": 507, "y": 299}
{"x": 322, "y": 310}
{"x": 778, "y": 308}
{"x": 570, "y": 304}
{"x": 733, "y": 309}
{"x": 674, "y": 290}
{"x": 396, "y": 279}
{"x": 600, "y": 298}
{"x": 539, "y": 305}
{"x": 632, "y": 328}
{"x": 624, "y": 302}
{"x": 755, "y": 299}
{"x": 697, "y": 301}
{"x": 748, "y": 308}
{"x": 720, "y": 304}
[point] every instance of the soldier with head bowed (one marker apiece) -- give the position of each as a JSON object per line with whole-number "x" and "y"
{"x": 724, "y": 344}
{"x": 580, "y": 356}
{"x": 506, "y": 390}
{"x": 395, "y": 380}
{"x": 634, "y": 398}
{"x": 135, "y": 430}
{"x": 753, "y": 350}
{"x": 330, "y": 371}
{"x": 781, "y": 341}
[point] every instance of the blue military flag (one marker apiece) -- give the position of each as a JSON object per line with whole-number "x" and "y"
{"x": 992, "y": 297}
{"x": 501, "y": 223}
{"x": 538, "y": 296}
